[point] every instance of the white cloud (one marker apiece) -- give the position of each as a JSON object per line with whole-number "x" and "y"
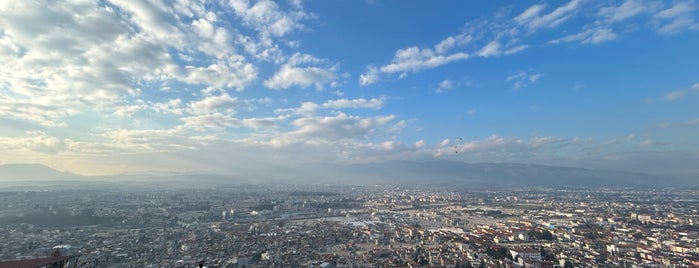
{"x": 375, "y": 103}
{"x": 129, "y": 110}
{"x": 226, "y": 73}
{"x": 35, "y": 140}
{"x": 690, "y": 123}
{"x": 532, "y": 20}
{"x": 293, "y": 74}
{"x": 679, "y": 94}
{"x": 309, "y": 108}
{"x": 501, "y": 35}
{"x": 680, "y": 9}
{"x": 262, "y": 48}
{"x": 219, "y": 121}
{"x": 496, "y": 148}
{"x": 149, "y": 140}
{"x": 414, "y": 59}
{"x": 318, "y": 129}
{"x": 444, "y": 85}
{"x": 628, "y": 9}
{"x": 492, "y": 49}
{"x": 589, "y": 36}
{"x": 677, "y": 25}
{"x": 268, "y": 18}
{"x": 371, "y": 76}
{"x": 516, "y": 49}
{"x": 522, "y": 79}
{"x": 210, "y": 121}
{"x": 213, "y": 104}
{"x": 68, "y": 58}
{"x": 214, "y": 41}
{"x": 444, "y": 142}
{"x": 529, "y": 14}
{"x": 260, "y": 123}
{"x": 452, "y": 42}
{"x": 289, "y": 76}
{"x": 173, "y": 106}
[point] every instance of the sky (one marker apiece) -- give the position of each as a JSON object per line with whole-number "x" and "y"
{"x": 115, "y": 86}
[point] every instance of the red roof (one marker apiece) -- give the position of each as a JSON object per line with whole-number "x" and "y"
{"x": 33, "y": 262}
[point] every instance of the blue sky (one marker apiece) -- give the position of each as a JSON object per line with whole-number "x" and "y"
{"x": 108, "y": 87}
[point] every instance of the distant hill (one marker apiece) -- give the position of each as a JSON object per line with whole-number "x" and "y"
{"x": 451, "y": 173}
{"x": 33, "y": 172}
{"x": 438, "y": 173}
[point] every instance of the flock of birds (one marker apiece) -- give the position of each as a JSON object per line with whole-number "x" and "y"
{"x": 460, "y": 143}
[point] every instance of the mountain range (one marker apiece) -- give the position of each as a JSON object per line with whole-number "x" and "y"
{"x": 442, "y": 173}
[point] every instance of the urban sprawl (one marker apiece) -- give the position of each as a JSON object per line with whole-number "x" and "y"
{"x": 354, "y": 226}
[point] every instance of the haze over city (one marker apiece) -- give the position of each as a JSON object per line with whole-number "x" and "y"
{"x": 114, "y": 87}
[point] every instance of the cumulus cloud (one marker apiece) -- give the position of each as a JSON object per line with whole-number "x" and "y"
{"x": 268, "y": 18}
{"x": 296, "y": 72}
{"x": 213, "y": 104}
{"x": 95, "y": 56}
{"x": 229, "y": 73}
{"x": 214, "y": 41}
{"x": 35, "y": 140}
{"x": 172, "y": 106}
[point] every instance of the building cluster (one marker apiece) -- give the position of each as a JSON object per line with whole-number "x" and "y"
{"x": 360, "y": 226}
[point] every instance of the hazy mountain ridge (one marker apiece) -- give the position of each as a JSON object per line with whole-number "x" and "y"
{"x": 445, "y": 173}
{"x": 34, "y": 172}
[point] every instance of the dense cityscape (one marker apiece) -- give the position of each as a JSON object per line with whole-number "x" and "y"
{"x": 354, "y": 226}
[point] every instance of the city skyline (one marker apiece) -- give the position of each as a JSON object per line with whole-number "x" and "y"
{"x": 110, "y": 87}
